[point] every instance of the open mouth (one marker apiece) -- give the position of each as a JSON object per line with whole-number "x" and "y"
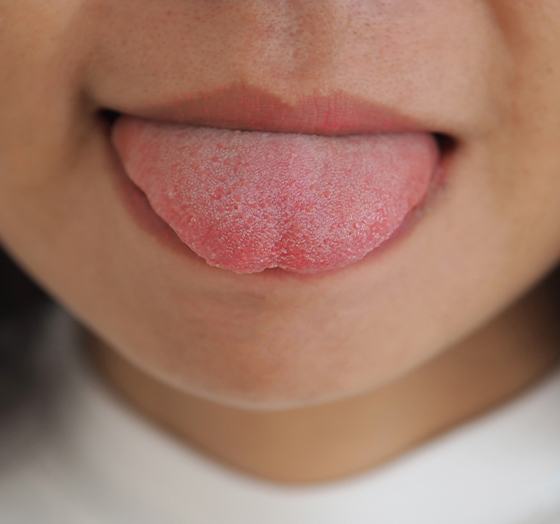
{"x": 252, "y": 192}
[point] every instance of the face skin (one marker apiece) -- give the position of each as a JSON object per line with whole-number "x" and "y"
{"x": 485, "y": 73}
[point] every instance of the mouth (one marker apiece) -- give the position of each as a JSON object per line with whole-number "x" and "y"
{"x": 247, "y": 183}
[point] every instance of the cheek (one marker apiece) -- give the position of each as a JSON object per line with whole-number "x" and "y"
{"x": 522, "y": 163}
{"x": 41, "y": 102}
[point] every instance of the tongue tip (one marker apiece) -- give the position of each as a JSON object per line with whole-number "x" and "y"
{"x": 302, "y": 267}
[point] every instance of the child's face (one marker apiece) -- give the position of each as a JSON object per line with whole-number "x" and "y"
{"x": 485, "y": 73}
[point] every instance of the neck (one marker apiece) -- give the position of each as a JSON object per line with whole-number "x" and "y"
{"x": 339, "y": 438}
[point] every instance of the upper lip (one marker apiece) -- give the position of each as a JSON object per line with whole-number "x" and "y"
{"x": 240, "y": 106}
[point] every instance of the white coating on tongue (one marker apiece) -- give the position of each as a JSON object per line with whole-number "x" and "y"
{"x": 246, "y": 201}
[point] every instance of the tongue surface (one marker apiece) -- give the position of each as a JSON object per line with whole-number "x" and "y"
{"x": 246, "y": 200}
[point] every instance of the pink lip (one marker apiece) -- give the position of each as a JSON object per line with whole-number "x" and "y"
{"x": 245, "y": 107}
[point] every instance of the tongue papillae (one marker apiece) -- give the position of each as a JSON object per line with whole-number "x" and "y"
{"x": 246, "y": 201}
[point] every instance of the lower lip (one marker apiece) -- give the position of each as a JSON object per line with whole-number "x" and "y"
{"x": 138, "y": 204}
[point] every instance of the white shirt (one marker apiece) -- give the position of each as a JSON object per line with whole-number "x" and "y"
{"x": 77, "y": 455}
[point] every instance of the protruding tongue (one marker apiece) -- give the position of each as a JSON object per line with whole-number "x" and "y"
{"x": 250, "y": 200}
